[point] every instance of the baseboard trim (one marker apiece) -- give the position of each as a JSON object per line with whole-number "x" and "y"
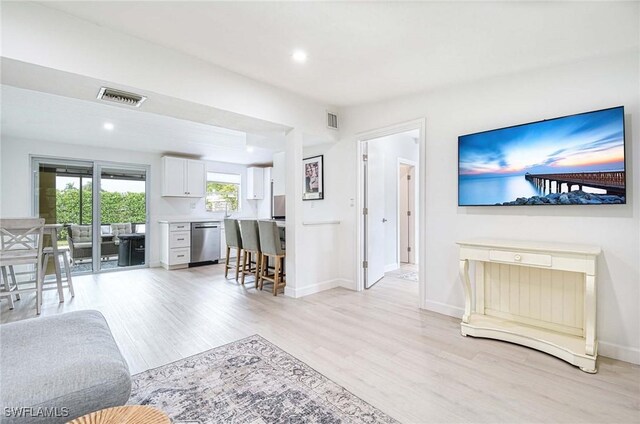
{"x": 443, "y": 308}
{"x": 347, "y": 284}
{"x": 316, "y": 288}
{"x": 391, "y": 267}
{"x": 610, "y": 350}
{"x": 616, "y": 351}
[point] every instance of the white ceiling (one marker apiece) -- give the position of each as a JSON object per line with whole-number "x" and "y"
{"x": 50, "y": 118}
{"x": 366, "y": 51}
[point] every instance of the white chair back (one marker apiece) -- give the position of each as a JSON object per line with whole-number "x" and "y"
{"x": 21, "y": 240}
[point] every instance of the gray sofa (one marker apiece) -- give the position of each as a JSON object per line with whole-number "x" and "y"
{"x": 64, "y": 366}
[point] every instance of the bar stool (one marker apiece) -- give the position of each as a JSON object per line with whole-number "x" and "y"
{"x": 63, "y": 253}
{"x": 251, "y": 247}
{"x": 234, "y": 241}
{"x": 271, "y": 248}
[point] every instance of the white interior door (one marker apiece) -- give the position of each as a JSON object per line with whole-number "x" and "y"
{"x": 375, "y": 227}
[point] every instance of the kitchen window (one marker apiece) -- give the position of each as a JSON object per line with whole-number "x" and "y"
{"x": 223, "y": 192}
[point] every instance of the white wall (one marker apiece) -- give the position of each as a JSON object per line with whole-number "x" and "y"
{"x": 15, "y": 174}
{"x": 319, "y": 228}
{"x": 385, "y": 152}
{"x": 546, "y": 93}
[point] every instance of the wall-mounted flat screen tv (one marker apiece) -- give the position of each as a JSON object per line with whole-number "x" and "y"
{"x": 573, "y": 160}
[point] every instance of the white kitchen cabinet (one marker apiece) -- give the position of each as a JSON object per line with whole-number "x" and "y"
{"x": 196, "y": 178}
{"x": 183, "y": 177}
{"x": 175, "y": 245}
{"x": 255, "y": 183}
{"x": 278, "y": 174}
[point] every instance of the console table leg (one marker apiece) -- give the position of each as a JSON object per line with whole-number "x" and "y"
{"x": 466, "y": 284}
{"x": 590, "y": 314}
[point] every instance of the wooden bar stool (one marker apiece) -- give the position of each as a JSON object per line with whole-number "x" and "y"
{"x": 234, "y": 241}
{"x": 251, "y": 247}
{"x": 271, "y": 248}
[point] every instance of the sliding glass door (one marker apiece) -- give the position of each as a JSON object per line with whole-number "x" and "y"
{"x": 123, "y": 216}
{"x": 102, "y": 207}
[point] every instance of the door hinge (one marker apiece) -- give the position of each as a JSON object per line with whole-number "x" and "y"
{"x": 409, "y": 249}
{"x": 408, "y": 213}
{"x": 365, "y": 211}
{"x": 365, "y": 157}
{"x": 365, "y": 264}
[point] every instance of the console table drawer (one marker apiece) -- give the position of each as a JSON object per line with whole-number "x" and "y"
{"x": 525, "y": 258}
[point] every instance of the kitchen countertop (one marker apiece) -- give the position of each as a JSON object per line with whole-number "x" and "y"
{"x": 221, "y": 221}
{"x": 189, "y": 220}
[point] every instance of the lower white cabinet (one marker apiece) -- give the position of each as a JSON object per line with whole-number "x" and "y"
{"x": 175, "y": 245}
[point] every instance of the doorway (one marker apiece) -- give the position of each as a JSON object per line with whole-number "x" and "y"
{"x": 102, "y": 207}
{"x": 390, "y": 188}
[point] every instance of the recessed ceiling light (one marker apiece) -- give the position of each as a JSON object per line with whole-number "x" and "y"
{"x": 250, "y": 149}
{"x": 108, "y": 126}
{"x": 299, "y": 56}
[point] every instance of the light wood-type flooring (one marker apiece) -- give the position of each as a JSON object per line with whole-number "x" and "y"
{"x": 412, "y": 364}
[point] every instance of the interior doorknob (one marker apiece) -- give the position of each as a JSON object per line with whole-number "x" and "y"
{"x": 384, "y": 220}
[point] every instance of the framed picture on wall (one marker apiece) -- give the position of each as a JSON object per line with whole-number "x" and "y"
{"x": 313, "y": 178}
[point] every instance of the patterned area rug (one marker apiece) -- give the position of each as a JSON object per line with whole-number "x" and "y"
{"x": 249, "y": 381}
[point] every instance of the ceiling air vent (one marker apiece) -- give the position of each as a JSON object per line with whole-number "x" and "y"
{"x": 120, "y": 97}
{"x": 332, "y": 120}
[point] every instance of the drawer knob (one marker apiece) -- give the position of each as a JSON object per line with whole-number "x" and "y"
{"x": 517, "y": 257}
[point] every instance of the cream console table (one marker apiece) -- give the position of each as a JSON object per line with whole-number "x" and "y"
{"x": 540, "y": 295}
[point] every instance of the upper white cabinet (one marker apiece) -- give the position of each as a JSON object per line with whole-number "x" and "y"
{"x": 196, "y": 178}
{"x": 278, "y": 174}
{"x": 183, "y": 177}
{"x": 255, "y": 183}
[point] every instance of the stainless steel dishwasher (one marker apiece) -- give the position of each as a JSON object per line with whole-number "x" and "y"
{"x": 205, "y": 242}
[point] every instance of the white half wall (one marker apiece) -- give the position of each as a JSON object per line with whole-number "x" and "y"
{"x": 319, "y": 229}
{"x": 17, "y": 193}
{"x": 509, "y": 100}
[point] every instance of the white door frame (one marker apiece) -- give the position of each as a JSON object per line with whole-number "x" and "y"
{"x": 403, "y": 161}
{"x": 361, "y": 138}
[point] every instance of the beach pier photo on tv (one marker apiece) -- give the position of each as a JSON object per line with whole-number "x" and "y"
{"x": 573, "y": 160}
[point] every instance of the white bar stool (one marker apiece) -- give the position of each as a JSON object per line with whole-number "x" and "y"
{"x": 62, "y": 253}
